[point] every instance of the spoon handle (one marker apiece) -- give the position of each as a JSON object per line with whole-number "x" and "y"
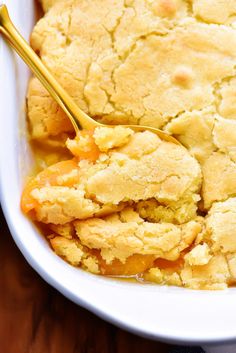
{"x": 78, "y": 118}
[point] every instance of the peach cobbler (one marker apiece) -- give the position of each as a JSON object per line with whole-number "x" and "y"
{"x": 117, "y": 202}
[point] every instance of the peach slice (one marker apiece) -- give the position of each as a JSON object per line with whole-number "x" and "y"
{"x": 48, "y": 177}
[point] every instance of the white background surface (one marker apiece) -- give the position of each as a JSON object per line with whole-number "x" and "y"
{"x": 172, "y": 314}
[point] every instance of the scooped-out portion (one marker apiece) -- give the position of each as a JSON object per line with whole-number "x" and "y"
{"x": 119, "y": 203}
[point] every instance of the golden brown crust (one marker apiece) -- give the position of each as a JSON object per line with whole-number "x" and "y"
{"x": 165, "y": 63}
{"x": 111, "y": 68}
{"x": 117, "y": 69}
{"x": 118, "y": 238}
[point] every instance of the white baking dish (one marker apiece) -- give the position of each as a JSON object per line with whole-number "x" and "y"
{"x": 168, "y": 314}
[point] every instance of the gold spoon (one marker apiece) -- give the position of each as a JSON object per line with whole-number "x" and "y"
{"x": 78, "y": 118}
